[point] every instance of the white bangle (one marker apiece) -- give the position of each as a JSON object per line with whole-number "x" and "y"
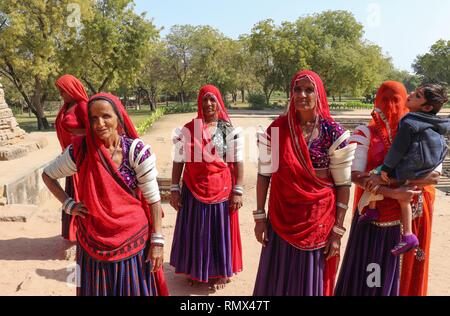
{"x": 69, "y": 206}
{"x": 175, "y": 188}
{"x": 263, "y": 211}
{"x": 342, "y": 205}
{"x": 259, "y": 216}
{"x": 238, "y": 189}
{"x": 157, "y": 242}
{"x": 339, "y": 230}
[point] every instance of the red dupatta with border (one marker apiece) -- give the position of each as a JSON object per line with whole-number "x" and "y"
{"x": 208, "y": 177}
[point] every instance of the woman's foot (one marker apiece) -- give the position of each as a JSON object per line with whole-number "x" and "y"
{"x": 407, "y": 243}
{"x": 219, "y": 283}
{"x": 371, "y": 214}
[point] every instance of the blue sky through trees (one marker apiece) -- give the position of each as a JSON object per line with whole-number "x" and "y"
{"x": 403, "y": 28}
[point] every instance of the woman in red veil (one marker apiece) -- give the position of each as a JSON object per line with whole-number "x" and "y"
{"x": 70, "y": 122}
{"x": 305, "y": 157}
{"x": 207, "y": 244}
{"x": 118, "y": 215}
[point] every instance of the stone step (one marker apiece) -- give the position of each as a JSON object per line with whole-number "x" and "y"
{"x": 17, "y": 212}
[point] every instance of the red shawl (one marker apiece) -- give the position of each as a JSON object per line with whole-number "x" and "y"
{"x": 301, "y": 206}
{"x": 208, "y": 177}
{"x": 76, "y": 116}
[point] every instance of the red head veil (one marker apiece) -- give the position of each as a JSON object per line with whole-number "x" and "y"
{"x": 77, "y": 118}
{"x": 390, "y": 107}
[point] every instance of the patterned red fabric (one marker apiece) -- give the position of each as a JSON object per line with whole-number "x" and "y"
{"x": 301, "y": 206}
{"x": 210, "y": 179}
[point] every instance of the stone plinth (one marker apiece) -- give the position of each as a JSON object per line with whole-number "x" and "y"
{"x": 14, "y": 142}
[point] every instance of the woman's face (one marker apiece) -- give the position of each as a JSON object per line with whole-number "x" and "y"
{"x": 104, "y": 120}
{"x": 209, "y": 107}
{"x": 304, "y": 95}
{"x": 66, "y": 98}
{"x": 416, "y": 100}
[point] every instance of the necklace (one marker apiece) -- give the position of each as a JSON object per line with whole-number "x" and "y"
{"x": 115, "y": 149}
{"x": 306, "y": 129}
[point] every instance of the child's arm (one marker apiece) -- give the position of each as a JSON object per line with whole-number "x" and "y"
{"x": 399, "y": 147}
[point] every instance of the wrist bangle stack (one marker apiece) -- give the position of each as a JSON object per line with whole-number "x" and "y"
{"x": 157, "y": 239}
{"x": 238, "y": 189}
{"x": 175, "y": 188}
{"x": 68, "y": 205}
{"x": 259, "y": 215}
{"x": 338, "y": 230}
{"x": 342, "y": 205}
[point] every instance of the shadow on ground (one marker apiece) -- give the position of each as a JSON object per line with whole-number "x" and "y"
{"x": 51, "y": 248}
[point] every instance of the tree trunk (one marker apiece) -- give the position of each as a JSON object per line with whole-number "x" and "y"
{"x": 243, "y": 95}
{"x": 182, "y": 97}
{"x": 340, "y": 97}
{"x": 38, "y": 105}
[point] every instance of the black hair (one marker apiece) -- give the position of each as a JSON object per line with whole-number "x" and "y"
{"x": 435, "y": 95}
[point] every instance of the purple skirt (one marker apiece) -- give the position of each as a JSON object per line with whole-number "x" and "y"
{"x": 130, "y": 277}
{"x": 369, "y": 268}
{"x": 201, "y": 247}
{"x": 287, "y": 271}
{"x": 66, "y": 218}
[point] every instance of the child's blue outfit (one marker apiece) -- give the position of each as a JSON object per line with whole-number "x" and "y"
{"x": 419, "y": 146}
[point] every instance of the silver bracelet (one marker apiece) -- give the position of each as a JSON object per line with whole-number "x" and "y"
{"x": 339, "y": 230}
{"x": 259, "y": 216}
{"x": 259, "y": 211}
{"x": 238, "y": 189}
{"x": 175, "y": 188}
{"x": 342, "y": 205}
{"x": 69, "y": 207}
{"x": 157, "y": 241}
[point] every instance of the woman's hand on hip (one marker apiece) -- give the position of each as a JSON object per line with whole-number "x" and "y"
{"x": 333, "y": 246}
{"x": 156, "y": 256}
{"x": 79, "y": 210}
{"x": 236, "y": 202}
{"x": 261, "y": 233}
{"x": 175, "y": 200}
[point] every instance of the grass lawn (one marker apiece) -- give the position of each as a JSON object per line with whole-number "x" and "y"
{"x": 29, "y": 124}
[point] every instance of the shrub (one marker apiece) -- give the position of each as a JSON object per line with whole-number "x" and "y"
{"x": 257, "y": 101}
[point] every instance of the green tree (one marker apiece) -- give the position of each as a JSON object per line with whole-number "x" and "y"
{"x": 111, "y": 47}
{"x": 435, "y": 65}
{"x": 262, "y": 42}
{"x": 180, "y": 55}
{"x": 153, "y": 76}
{"x": 33, "y": 35}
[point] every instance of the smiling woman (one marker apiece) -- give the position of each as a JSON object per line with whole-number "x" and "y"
{"x": 119, "y": 209}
